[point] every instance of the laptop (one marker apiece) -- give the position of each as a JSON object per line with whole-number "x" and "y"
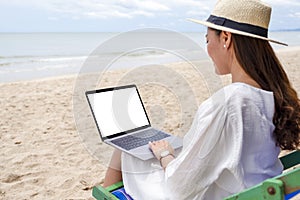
{"x": 123, "y": 123}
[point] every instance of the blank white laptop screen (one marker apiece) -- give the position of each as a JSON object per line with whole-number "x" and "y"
{"x": 118, "y": 111}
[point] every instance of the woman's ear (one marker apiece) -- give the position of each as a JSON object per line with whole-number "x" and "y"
{"x": 226, "y": 39}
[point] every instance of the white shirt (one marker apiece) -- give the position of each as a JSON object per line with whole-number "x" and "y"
{"x": 229, "y": 147}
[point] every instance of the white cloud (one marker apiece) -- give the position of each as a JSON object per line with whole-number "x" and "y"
{"x": 143, "y": 13}
{"x": 283, "y": 2}
{"x": 197, "y": 13}
{"x": 162, "y": 10}
{"x": 150, "y": 5}
{"x": 104, "y": 9}
{"x": 296, "y": 14}
{"x": 118, "y": 8}
{"x": 195, "y": 4}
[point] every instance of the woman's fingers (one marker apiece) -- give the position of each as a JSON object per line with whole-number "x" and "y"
{"x": 158, "y": 144}
{"x": 158, "y": 147}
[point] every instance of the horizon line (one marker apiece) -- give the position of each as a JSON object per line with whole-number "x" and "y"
{"x": 29, "y": 32}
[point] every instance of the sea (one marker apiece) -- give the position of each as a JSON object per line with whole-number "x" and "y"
{"x": 29, "y": 56}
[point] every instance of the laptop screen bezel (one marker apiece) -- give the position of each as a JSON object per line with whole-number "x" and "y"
{"x": 112, "y": 89}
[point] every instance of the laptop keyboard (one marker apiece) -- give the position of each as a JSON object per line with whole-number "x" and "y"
{"x": 139, "y": 139}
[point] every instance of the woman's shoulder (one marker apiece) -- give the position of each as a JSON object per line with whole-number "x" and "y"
{"x": 237, "y": 95}
{"x": 242, "y": 90}
{"x": 241, "y": 95}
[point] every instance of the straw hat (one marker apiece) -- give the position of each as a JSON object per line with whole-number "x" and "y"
{"x": 244, "y": 17}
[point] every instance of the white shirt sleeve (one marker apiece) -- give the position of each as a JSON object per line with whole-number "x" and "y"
{"x": 209, "y": 147}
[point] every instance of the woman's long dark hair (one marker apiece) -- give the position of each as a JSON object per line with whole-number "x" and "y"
{"x": 259, "y": 61}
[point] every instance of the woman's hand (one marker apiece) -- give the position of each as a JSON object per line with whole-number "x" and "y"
{"x": 158, "y": 147}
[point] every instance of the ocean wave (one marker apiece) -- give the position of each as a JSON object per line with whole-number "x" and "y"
{"x": 19, "y": 59}
{"x": 25, "y": 60}
{"x": 39, "y": 56}
{"x": 4, "y": 64}
{"x": 53, "y": 59}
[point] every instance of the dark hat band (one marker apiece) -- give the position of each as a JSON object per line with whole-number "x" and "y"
{"x": 256, "y": 30}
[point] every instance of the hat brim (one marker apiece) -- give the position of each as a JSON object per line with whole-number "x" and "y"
{"x": 222, "y": 28}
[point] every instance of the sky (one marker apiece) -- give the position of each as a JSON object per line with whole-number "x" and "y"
{"x": 123, "y": 15}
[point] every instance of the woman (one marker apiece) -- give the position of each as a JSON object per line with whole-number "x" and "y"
{"x": 237, "y": 133}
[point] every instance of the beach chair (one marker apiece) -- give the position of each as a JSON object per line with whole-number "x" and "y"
{"x": 284, "y": 186}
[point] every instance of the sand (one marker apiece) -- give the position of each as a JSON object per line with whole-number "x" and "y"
{"x": 50, "y": 148}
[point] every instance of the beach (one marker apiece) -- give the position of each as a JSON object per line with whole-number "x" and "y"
{"x": 48, "y": 152}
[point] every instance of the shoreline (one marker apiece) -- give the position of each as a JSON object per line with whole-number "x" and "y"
{"x": 280, "y": 51}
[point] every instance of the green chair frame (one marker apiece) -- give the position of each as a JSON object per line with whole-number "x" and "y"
{"x": 271, "y": 189}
